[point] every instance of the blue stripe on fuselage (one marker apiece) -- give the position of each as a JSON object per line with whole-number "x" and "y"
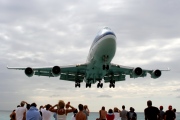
{"x": 98, "y": 37}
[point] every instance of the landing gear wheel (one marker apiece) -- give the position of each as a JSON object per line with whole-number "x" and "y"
{"x": 107, "y": 67}
{"x": 76, "y": 84}
{"x": 109, "y": 85}
{"x": 101, "y": 85}
{"x": 112, "y": 85}
{"x": 104, "y": 67}
{"x": 88, "y": 85}
{"x": 98, "y": 85}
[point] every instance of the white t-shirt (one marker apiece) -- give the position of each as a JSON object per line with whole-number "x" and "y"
{"x": 46, "y": 114}
{"x": 20, "y": 113}
{"x": 123, "y": 114}
{"x": 116, "y": 116}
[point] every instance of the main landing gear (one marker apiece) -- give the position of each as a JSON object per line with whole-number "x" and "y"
{"x": 99, "y": 85}
{"x": 88, "y": 85}
{"x": 112, "y": 84}
{"x": 77, "y": 84}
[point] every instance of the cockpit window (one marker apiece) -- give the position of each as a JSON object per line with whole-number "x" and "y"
{"x": 107, "y": 28}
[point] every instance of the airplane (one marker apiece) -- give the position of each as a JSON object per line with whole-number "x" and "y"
{"x": 97, "y": 67}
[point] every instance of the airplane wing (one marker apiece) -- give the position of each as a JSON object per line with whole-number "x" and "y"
{"x": 119, "y": 72}
{"x": 69, "y": 73}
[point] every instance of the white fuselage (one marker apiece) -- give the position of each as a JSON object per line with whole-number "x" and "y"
{"x": 101, "y": 53}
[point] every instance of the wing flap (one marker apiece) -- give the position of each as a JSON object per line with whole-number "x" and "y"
{"x": 119, "y": 77}
{"x": 72, "y": 77}
{"x": 118, "y": 73}
{"x": 44, "y": 73}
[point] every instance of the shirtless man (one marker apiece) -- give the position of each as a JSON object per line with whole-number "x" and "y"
{"x": 102, "y": 113}
{"x": 80, "y": 115}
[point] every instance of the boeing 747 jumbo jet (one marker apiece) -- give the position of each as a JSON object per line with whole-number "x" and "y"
{"x": 97, "y": 67}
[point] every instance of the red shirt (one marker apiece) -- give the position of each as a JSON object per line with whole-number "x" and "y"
{"x": 110, "y": 117}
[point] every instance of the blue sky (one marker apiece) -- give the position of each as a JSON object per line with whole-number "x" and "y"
{"x": 47, "y": 33}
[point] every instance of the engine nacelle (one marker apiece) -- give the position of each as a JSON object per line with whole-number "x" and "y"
{"x": 56, "y": 70}
{"x": 137, "y": 72}
{"x": 156, "y": 74}
{"x": 29, "y": 72}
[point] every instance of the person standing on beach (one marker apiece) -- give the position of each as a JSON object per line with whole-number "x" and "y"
{"x": 13, "y": 115}
{"x": 21, "y": 111}
{"x": 169, "y": 114}
{"x": 134, "y": 117}
{"x": 102, "y": 113}
{"x": 41, "y": 107}
{"x": 123, "y": 113}
{"x": 27, "y": 108}
{"x": 61, "y": 111}
{"x": 131, "y": 115}
{"x": 110, "y": 115}
{"x": 151, "y": 112}
{"x": 116, "y": 113}
{"x": 86, "y": 111}
{"x": 33, "y": 113}
{"x": 174, "y": 110}
{"x": 46, "y": 114}
{"x": 161, "y": 113}
{"x": 80, "y": 115}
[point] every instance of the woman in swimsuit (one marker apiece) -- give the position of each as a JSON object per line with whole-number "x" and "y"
{"x": 61, "y": 110}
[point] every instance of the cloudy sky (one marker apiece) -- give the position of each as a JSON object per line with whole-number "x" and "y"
{"x": 47, "y": 33}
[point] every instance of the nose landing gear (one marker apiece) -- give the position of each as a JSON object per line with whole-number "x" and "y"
{"x": 105, "y": 67}
{"x": 105, "y": 59}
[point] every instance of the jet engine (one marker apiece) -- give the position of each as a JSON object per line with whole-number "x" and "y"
{"x": 29, "y": 72}
{"x": 56, "y": 70}
{"x": 137, "y": 72}
{"x": 156, "y": 74}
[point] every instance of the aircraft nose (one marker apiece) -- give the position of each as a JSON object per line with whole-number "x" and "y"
{"x": 109, "y": 41}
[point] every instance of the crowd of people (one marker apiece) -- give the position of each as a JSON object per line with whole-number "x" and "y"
{"x": 60, "y": 111}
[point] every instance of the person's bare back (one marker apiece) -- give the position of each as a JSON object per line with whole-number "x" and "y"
{"x": 103, "y": 114}
{"x": 80, "y": 116}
